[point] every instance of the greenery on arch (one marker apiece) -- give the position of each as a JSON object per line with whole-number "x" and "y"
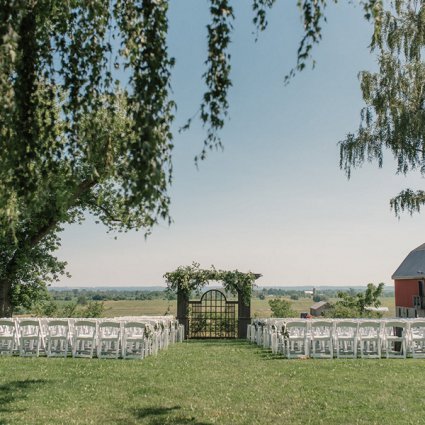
{"x": 186, "y": 279}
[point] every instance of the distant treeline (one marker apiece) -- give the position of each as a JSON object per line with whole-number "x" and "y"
{"x": 85, "y": 295}
{"x": 82, "y": 296}
{"x": 319, "y": 295}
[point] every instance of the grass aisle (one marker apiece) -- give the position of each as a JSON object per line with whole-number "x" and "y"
{"x": 227, "y": 382}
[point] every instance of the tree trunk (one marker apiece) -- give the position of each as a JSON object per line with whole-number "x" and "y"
{"x": 29, "y": 241}
{"x": 6, "y": 307}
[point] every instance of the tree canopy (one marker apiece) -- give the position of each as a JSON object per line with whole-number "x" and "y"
{"x": 354, "y": 305}
{"x": 85, "y": 118}
{"x": 394, "y": 116}
{"x": 281, "y": 308}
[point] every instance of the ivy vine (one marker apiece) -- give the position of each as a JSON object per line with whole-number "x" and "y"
{"x": 186, "y": 279}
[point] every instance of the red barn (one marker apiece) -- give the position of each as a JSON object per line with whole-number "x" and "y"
{"x": 409, "y": 285}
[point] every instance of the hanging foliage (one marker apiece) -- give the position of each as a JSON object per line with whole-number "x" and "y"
{"x": 186, "y": 279}
{"x": 86, "y": 118}
{"x": 394, "y": 116}
{"x": 62, "y": 62}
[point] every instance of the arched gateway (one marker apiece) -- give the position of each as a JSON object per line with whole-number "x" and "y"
{"x": 212, "y": 316}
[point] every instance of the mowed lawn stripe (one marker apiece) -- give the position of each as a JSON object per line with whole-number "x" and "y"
{"x": 210, "y": 382}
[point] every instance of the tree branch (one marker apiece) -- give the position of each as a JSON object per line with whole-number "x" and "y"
{"x": 105, "y": 211}
{"x": 82, "y": 188}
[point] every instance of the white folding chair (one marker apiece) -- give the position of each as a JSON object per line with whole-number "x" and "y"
{"x": 369, "y": 337}
{"x": 248, "y": 333}
{"x": 321, "y": 339}
{"x": 267, "y": 333}
{"x": 154, "y": 337}
{"x": 164, "y": 334}
{"x": 84, "y": 338}
{"x": 259, "y": 334}
{"x": 394, "y": 335}
{"x": 253, "y": 334}
{"x": 181, "y": 333}
{"x": 8, "y": 340}
{"x": 294, "y": 339}
{"x": 277, "y": 343}
{"x": 30, "y": 338}
{"x": 57, "y": 338}
{"x": 174, "y": 326}
{"x": 134, "y": 341}
{"x": 345, "y": 335}
{"x": 417, "y": 338}
{"x": 274, "y": 338}
{"x": 109, "y": 337}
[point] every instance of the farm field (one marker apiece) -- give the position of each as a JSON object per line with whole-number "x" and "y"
{"x": 259, "y": 308}
{"x": 139, "y": 308}
{"x": 222, "y": 382}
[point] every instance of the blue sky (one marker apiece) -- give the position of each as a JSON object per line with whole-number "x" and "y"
{"x": 274, "y": 201}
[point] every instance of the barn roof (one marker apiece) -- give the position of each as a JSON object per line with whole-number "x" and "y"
{"x": 318, "y": 305}
{"x": 413, "y": 266}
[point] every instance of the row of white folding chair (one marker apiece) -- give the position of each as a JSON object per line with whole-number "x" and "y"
{"x": 167, "y": 330}
{"x": 171, "y": 330}
{"x": 13, "y": 338}
{"x": 24, "y": 336}
{"x": 54, "y": 337}
{"x": 112, "y": 339}
{"x": 302, "y": 338}
{"x": 374, "y": 337}
{"x": 342, "y": 338}
{"x": 175, "y": 331}
{"x": 250, "y": 334}
{"x": 8, "y": 336}
{"x": 256, "y": 331}
{"x": 416, "y": 337}
{"x": 287, "y": 337}
{"x": 259, "y": 333}
{"x": 81, "y": 337}
{"x": 158, "y": 333}
{"x": 130, "y": 339}
{"x": 85, "y": 336}
{"x": 320, "y": 338}
{"x": 264, "y": 332}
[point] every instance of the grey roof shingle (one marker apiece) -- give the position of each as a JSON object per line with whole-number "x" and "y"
{"x": 413, "y": 266}
{"x": 319, "y": 305}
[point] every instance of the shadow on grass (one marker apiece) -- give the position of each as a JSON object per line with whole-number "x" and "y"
{"x": 153, "y": 411}
{"x": 13, "y": 391}
{"x": 155, "y": 416}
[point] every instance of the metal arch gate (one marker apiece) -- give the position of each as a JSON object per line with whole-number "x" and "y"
{"x": 213, "y": 317}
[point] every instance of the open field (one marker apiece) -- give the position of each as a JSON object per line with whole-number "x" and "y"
{"x": 223, "y": 382}
{"x": 139, "y": 308}
{"x": 259, "y": 308}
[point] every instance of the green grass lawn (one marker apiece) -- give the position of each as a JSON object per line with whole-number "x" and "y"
{"x": 224, "y": 382}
